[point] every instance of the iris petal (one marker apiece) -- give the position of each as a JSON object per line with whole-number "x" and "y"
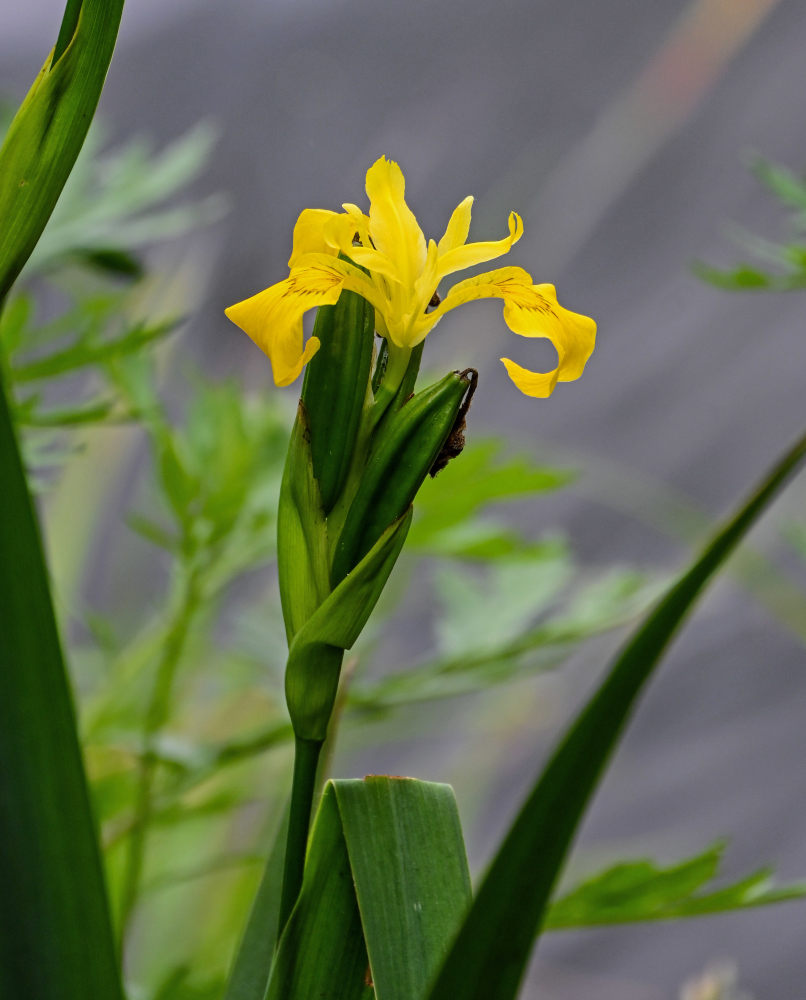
{"x": 392, "y": 225}
{"x": 470, "y": 254}
{"x": 532, "y": 311}
{"x": 384, "y": 258}
{"x": 310, "y": 233}
{"x": 273, "y": 319}
{"x": 458, "y": 226}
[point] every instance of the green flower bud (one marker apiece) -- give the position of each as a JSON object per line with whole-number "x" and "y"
{"x": 335, "y": 388}
{"x": 302, "y": 557}
{"x": 410, "y": 442}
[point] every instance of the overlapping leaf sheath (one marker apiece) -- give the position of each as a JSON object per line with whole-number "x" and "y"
{"x": 398, "y": 463}
{"x": 357, "y": 456}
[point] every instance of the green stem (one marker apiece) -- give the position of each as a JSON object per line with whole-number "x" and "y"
{"x": 303, "y": 788}
{"x": 157, "y": 714}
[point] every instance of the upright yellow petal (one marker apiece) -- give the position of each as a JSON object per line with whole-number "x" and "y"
{"x": 310, "y": 233}
{"x": 458, "y": 226}
{"x": 470, "y": 254}
{"x": 392, "y": 225}
{"x": 532, "y": 311}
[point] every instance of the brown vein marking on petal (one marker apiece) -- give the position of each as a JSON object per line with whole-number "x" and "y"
{"x": 527, "y": 298}
{"x": 456, "y": 439}
{"x": 302, "y": 286}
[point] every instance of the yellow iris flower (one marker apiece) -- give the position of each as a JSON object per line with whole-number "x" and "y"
{"x": 404, "y": 273}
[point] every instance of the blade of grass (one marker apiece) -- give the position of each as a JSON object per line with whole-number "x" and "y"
{"x": 55, "y": 934}
{"x": 489, "y": 956}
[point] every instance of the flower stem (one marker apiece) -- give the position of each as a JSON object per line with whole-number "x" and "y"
{"x": 303, "y": 788}
{"x": 157, "y": 714}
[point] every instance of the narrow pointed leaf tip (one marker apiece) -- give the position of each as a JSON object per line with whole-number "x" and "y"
{"x": 49, "y": 129}
{"x": 489, "y": 955}
{"x": 398, "y": 272}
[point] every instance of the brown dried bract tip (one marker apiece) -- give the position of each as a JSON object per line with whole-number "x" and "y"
{"x": 456, "y": 439}
{"x": 368, "y": 977}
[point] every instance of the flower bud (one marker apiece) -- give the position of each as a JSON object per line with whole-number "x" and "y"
{"x": 409, "y": 443}
{"x": 335, "y": 388}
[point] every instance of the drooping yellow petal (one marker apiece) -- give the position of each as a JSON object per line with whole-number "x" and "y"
{"x": 393, "y": 228}
{"x": 470, "y": 254}
{"x": 273, "y": 318}
{"x": 458, "y": 226}
{"x": 351, "y": 277}
{"x": 532, "y": 311}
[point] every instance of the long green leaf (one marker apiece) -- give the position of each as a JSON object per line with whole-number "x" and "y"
{"x": 49, "y": 129}
{"x": 386, "y": 886}
{"x": 55, "y": 933}
{"x": 250, "y": 970}
{"x": 322, "y": 952}
{"x": 55, "y": 936}
{"x": 407, "y": 857}
{"x": 489, "y": 956}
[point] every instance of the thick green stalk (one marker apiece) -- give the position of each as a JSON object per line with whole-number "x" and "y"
{"x": 303, "y": 789}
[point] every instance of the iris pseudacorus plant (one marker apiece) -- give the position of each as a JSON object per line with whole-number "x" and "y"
{"x": 393, "y": 267}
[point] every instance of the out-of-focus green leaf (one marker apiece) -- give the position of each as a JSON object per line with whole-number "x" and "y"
{"x": 595, "y": 607}
{"x": 91, "y": 413}
{"x": 635, "y": 891}
{"x": 795, "y": 534}
{"x": 742, "y": 277}
{"x": 151, "y": 531}
{"x": 49, "y": 857}
{"x": 482, "y": 477}
{"x": 490, "y": 953}
{"x": 788, "y": 257}
{"x": 109, "y": 260}
{"x": 179, "y": 984}
{"x": 783, "y": 183}
{"x": 113, "y": 200}
{"x": 479, "y": 615}
{"x": 84, "y": 353}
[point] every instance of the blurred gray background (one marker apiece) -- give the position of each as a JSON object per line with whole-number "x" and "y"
{"x": 618, "y": 129}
